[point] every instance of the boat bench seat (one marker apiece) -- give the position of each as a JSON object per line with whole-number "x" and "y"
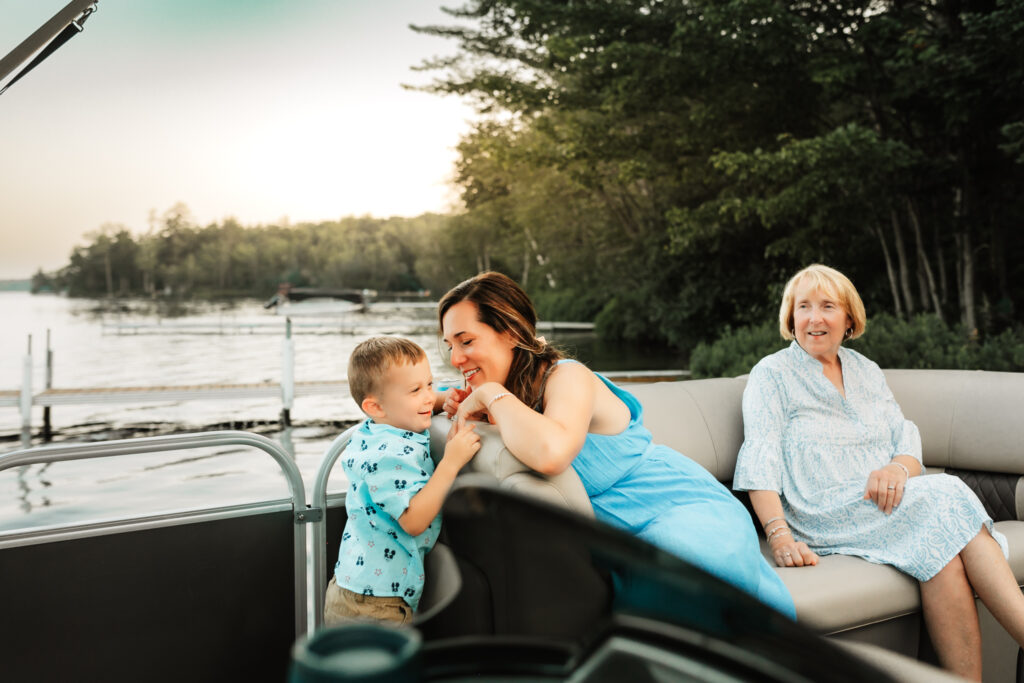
{"x": 970, "y": 427}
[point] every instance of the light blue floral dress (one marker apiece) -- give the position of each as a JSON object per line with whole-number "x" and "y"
{"x": 815, "y": 448}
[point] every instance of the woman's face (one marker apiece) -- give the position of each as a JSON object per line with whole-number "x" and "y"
{"x": 819, "y": 321}
{"x": 479, "y": 352}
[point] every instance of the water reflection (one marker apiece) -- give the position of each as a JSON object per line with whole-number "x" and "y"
{"x": 25, "y": 488}
{"x": 285, "y": 437}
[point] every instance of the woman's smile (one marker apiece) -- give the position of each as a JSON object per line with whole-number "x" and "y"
{"x": 819, "y": 322}
{"x": 478, "y": 351}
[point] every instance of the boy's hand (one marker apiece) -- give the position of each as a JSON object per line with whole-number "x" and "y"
{"x": 463, "y": 443}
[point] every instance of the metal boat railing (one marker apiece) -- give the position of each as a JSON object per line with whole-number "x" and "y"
{"x": 107, "y": 449}
{"x": 319, "y": 503}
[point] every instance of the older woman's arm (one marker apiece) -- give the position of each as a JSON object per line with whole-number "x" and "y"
{"x": 885, "y": 485}
{"x": 759, "y": 465}
{"x": 786, "y": 550}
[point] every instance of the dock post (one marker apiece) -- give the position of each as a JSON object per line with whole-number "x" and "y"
{"x": 26, "y": 391}
{"x": 48, "y": 384}
{"x": 287, "y": 374}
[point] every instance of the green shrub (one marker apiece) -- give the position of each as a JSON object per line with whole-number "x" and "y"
{"x": 921, "y": 343}
{"x": 736, "y": 351}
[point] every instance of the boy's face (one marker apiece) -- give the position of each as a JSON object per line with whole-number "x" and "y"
{"x": 406, "y": 398}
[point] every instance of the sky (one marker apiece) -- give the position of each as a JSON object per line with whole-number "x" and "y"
{"x": 261, "y": 110}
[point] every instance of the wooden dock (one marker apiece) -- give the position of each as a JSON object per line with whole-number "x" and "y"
{"x": 192, "y": 392}
{"x": 347, "y": 325}
{"x": 286, "y": 390}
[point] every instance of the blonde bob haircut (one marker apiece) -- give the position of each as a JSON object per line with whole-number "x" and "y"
{"x": 832, "y": 284}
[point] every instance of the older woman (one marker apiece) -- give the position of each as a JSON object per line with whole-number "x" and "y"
{"x": 554, "y": 413}
{"x": 832, "y": 466}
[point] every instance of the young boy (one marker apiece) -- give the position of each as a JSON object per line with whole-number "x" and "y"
{"x": 395, "y": 497}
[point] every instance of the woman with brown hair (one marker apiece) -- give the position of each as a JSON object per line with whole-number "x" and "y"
{"x": 554, "y": 413}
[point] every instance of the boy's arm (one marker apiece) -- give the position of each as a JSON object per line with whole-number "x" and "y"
{"x": 426, "y": 504}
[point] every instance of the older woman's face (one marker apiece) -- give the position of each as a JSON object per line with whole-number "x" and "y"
{"x": 479, "y": 352}
{"x": 819, "y": 321}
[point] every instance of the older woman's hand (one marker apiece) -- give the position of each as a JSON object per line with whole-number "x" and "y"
{"x": 885, "y": 487}
{"x": 788, "y": 552}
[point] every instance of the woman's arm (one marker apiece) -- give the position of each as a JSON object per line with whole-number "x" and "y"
{"x": 546, "y": 442}
{"x": 885, "y": 485}
{"x": 786, "y": 550}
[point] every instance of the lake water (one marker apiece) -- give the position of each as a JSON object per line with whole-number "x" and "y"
{"x": 88, "y": 351}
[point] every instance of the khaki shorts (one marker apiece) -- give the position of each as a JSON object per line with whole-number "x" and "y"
{"x": 342, "y": 605}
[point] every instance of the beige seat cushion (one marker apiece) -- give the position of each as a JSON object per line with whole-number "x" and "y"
{"x": 843, "y": 592}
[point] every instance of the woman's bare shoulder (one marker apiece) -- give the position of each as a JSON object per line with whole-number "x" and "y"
{"x": 609, "y": 414}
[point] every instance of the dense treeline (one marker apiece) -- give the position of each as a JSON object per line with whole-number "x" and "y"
{"x": 178, "y": 258}
{"x": 662, "y": 166}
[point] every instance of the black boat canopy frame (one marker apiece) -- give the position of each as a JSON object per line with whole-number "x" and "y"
{"x": 64, "y": 25}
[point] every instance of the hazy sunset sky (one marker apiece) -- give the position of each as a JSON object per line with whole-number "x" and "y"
{"x": 256, "y": 109}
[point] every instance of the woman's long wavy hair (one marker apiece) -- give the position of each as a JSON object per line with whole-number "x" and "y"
{"x": 505, "y": 307}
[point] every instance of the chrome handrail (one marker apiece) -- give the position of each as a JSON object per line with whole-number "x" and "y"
{"x": 319, "y": 502}
{"x": 153, "y": 444}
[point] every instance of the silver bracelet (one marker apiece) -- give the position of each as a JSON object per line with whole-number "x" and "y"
{"x": 773, "y": 519}
{"x": 782, "y": 531}
{"x": 494, "y": 398}
{"x": 904, "y": 468}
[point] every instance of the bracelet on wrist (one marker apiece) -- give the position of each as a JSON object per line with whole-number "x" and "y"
{"x": 904, "y": 468}
{"x": 496, "y": 397}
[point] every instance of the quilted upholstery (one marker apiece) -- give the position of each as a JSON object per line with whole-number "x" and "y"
{"x": 997, "y": 491}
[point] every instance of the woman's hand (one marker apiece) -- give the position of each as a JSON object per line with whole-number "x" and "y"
{"x": 788, "y": 552}
{"x": 472, "y": 405}
{"x": 885, "y": 487}
{"x": 452, "y": 398}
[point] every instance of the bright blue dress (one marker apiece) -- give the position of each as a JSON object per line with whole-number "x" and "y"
{"x": 815, "y": 448}
{"x": 674, "y": 503}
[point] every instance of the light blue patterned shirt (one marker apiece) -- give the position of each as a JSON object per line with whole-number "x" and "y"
{"x": 386, "y": 467}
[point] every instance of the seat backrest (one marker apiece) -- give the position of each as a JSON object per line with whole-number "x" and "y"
{"x": 509, "y": 582}
{"x": 968, "y": 419}
{"x": 564, "y": 489}
{"x": 702, "y": 419}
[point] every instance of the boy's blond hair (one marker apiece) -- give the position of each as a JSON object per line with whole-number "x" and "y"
{"x": 371, "y": 360}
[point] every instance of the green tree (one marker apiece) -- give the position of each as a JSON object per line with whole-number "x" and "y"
{"x": 725, "y": 144}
